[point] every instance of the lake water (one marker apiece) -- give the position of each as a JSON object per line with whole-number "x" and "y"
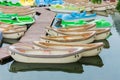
{"x": 106, "y": 66}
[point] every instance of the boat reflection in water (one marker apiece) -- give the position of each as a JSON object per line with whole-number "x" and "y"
{"x": 106, "y": 43}
{"x": 116, "y": 19}
{"x": 69, "y": 68}
{"x": 93, "y": 61}
{"x": 10, "y": 41}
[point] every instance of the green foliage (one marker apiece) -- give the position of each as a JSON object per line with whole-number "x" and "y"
{"x": 96, "y": 1}
{"x": 118, "y": 6}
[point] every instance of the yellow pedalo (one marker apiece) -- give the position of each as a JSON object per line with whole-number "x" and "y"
{"x": 27, "y": 2}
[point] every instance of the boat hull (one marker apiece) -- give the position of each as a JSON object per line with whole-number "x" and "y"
{"x": 99, "y": 36}
{"x": 100, "y": 9}
{"x": 25, "y": 59}
{"x": 63, "y": 11}
{"x": 102, "y": 35}
{"x": 92, "y": 51}
{"x": 88, "y": 9}
{"x": 13, "y": 35}
{"x": 89, "y": 40}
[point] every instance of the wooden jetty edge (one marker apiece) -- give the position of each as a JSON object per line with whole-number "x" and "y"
{"x": 34, "y": 32}
{"x": 4, "y": 54}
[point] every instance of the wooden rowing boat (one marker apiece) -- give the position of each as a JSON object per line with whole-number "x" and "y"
{"x": 99, "y": 8}
{"x": 33, "y": 55}
{"x": 21, "y": 12}
{"x": 15, "y": 7}
{"x": 92, "y": 49}
{"x": 12, "y": 31}
{"x": 78, "y": 28}
{"x": 101, "y": 33}
{"x": 58, "y": 31}
{"x": 10, "y": 26}
{"x": 71, "y": 39}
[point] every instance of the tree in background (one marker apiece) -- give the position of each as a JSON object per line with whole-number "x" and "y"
{"x": 96, "y": 1}
{"x": 118, "y": 6}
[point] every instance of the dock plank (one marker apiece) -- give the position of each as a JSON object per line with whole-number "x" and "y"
{"x": 4, "y": 54}
{"x": 42, "y": 21}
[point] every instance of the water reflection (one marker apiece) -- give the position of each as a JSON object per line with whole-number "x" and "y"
{"x": 69, "y": 68}
{"x": 10, "y": 41}
{"x": 93, "y": 61}
{"x": 105, "y": 42}
{"x": 57, "y": 23}
{"x": 4, "y": 61}
{"x": 116, "y": 19}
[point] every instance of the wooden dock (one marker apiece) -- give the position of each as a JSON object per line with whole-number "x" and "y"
{"x": 4, "y": 54}
{"x": 34, "y": 32}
